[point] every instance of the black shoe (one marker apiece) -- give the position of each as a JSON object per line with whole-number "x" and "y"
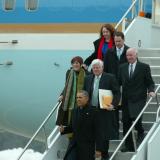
{"x": 126, "y": 149}
{"x": 107, "y": 158}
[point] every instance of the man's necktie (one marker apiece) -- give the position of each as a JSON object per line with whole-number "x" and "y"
{"x": 119, "y": 53}
{"x": 131, "y": 71}
{"x": 95, "y": 92}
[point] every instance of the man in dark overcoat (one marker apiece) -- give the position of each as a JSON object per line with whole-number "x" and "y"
{"x": 84, "y": 128}
{"x": 114, "y": 57}
{"x": 136, "y": 80}
{"x": 106, "y": 117}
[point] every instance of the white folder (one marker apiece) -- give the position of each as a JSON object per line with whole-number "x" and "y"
{"x": 105, "y": 98}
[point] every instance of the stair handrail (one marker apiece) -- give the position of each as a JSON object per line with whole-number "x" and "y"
{"x": 133, "y": 125}
{"x": 126, "y": 13}
{"x": 39, "y": 129}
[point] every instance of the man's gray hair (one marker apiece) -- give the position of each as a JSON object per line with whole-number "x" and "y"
{"x": 98, "y": 62}
{"x": 85, "y": 93}
{"x": 134, "y": 50}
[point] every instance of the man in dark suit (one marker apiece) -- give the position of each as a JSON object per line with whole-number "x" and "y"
{"x": 114, "y": 58}
{"x": 84, "y": 127}
{"x": 136, "y": 80}
{"x": 115, "y": 55}
{"x": 106, "y": 117}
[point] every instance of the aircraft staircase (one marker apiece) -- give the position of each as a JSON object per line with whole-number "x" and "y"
{"x": 56, "y": 144}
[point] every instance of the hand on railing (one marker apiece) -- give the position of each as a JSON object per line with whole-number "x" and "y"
{"x": 61, "y": 128}
{"x": 152, "y": 94}
{"x": 60, "y": 98}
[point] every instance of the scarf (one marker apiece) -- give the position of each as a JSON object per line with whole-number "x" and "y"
{"x": 74, "y": 83}
{"x": 110, "y": 44}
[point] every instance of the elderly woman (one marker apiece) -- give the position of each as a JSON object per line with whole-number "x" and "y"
{"x": 74, "y": 82}
{"x": 102, "y": 44}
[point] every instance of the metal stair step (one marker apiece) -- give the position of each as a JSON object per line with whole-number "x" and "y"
{"x": 152, "y": 107}
{"x": 120, "y": 155}
{"x": 154, "y": 99}
{"x": 146, "y": 125}
{"x": 113, "y": 145}
{"x": 149, "y": 52}
{"x": 124, "y": 156}
{"x": 147, "y": 116}
{"x": 150, "y": 60}
{"x": 155, "y": 70}
{"x": 156, "y": 78}
{"x": 121, "y": 134}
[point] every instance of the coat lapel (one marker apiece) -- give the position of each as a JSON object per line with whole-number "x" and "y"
{"x": 127, "y": 71}
{"x": 101, "y": 82}
{"x": 115, "y": 53}
{"x": 136, "y": 70}
{"x": 91, "y": 83}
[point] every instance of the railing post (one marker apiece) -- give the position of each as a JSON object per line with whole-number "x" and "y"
{"x": 133, "y": 10}
{"x": 153, "y": 11}
{"x": 124, "y": 25}
{"x": 141, "y": 11}
{"x": 45, "y": 136}
{"x": 157, "y": 116}
{"x": 141, "y": 5}
{"x": 134, "y": 139}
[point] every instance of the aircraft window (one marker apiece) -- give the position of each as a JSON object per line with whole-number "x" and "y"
{"x": 31, "y": 5}
{"x": 9, "y": 5}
